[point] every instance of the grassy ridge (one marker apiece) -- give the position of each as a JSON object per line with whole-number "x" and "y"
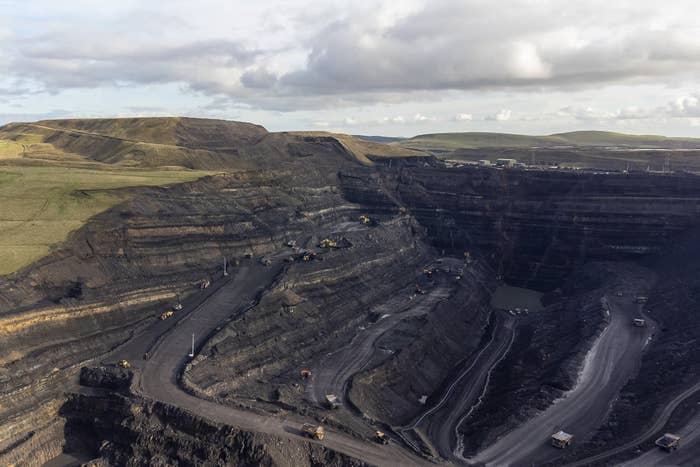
{"x": 454, "y": 141}
{"x": 41, "y": 205}
{"x": 362, "y": 149}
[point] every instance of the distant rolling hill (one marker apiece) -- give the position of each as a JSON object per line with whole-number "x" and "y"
{"x": 446, "y": 142}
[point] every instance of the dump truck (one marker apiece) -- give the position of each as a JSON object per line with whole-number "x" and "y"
{"x": 124, "y": 364}
{"x": 669, "y": 442}
{"x": 639, "y": 322}
{"x": 166, "y": 315}
{"x": 328, "y": 243}
{"x": 332, "y": 401}
{"x": 381, "y": 437}
{"x": 561, "y": 439}
{"x": 313, "y": 431}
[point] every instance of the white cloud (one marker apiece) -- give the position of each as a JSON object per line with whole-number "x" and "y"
{"x": 500, "y": 116}
{"x": 418, "y": 117}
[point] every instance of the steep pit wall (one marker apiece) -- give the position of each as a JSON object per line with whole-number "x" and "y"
{"x": 317, "y": 306}
{"x": 538, "y": 226}
{"x": 425, "y": 350}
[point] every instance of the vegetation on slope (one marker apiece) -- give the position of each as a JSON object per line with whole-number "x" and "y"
{"x": 41, "y": 205}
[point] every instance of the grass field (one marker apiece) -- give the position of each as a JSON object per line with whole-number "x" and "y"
{"x": 9, "y": 149}
{"x": 40, "y": 206}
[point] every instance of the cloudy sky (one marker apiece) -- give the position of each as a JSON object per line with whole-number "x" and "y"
{"x": 400, "y": 67}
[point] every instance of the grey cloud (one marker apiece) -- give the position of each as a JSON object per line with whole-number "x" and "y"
{"x": 476, "y": 45}
{"x": 353, "y": 58}
{"x": 258, "y": 78}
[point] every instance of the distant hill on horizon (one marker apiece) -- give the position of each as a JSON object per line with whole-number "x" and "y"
{"x": 445, "y": 142}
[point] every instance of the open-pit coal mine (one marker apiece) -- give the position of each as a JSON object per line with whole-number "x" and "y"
{"x": 312, "y": 299}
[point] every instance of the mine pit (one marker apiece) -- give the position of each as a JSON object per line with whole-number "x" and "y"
{"x": 462, "y": 312}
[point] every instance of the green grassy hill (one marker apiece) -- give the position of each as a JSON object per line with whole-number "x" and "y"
{"x": 440, "y": 142}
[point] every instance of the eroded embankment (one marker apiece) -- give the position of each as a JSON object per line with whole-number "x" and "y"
{"x": 115, "y": 429}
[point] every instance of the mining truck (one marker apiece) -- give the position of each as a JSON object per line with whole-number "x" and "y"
{"x": 124, "y": 364}
{"x": 561, "y": 439}
{"x": 166, "y": 315}
{"x": 381, "y": 437}
{"x": 669, "y": 442}
{"x": 332, "y": 401}
{"x": 313, "y": 431}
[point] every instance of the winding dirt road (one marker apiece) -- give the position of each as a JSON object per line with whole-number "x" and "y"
{"x": 159, "y": 375}
{"x": 690, "y": 440}
{"x": 612, "y": 360}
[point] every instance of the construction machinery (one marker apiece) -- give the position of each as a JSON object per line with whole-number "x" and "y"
{"x": 313, "y": 431}
{"x": 419, "y": 291}
{"x": 292, "y": 243}
{"x": 332, "y": 401}
{"x": 381, "y": 437}
{"x": 639, "y": 322}
{"x": 328, "y": 243}
{"x": 308, "y": 255}
{"x": 124, "y": 364}
{"x": 178, "y": 307}
{"x": 166, "y": 315}
{"x": 364, "y": 219}
{"x": 204, "y": 284}
{"x": 305, "y": 373}
{"x": 642, "y": 299}
{"x": 561, "y": 439}
{"x": 669, "y": 442}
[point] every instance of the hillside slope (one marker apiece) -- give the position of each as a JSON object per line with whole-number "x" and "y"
{"x": 454, "y": 141}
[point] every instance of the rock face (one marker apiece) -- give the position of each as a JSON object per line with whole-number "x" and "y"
{"x": 132, "y": 432}
{"x": 536, "y": 226}
{"x": 106, "y": 377}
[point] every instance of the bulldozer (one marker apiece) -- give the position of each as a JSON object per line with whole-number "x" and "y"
{"x": 166, "y": 315}
{"x": 313, "y": 431}
{"x": 124, "y": 364}
{"x": 381, "y": 437}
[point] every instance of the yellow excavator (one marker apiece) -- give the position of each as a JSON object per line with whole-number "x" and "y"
{"x": 124, "y": 364}
{"x": 328, "y": 243}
